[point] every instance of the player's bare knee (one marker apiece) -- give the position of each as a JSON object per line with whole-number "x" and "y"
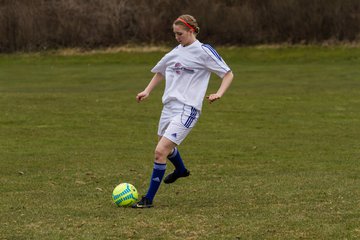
{"x": 160, "y": 155}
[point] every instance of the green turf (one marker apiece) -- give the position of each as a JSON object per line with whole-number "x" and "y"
{"x": 277, "y": 158}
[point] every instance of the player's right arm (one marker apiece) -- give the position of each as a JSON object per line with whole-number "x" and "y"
{"x": 158, "y": 77}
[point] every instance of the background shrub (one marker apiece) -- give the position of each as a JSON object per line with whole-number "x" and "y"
{"x": 31, "y": 25}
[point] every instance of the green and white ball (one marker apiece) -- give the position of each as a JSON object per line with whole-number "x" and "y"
{"x": 124, "y": 195}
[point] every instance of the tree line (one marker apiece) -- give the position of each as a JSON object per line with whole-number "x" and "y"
{"x": 33, "y": 25}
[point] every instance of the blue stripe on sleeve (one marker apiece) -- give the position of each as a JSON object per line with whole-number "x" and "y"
{"x": 213, "y": 51}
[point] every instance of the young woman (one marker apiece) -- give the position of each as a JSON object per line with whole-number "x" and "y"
{"x": 187, "y": 70}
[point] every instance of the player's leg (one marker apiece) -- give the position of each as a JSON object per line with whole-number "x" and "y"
{"x": 168, "y": 114}
{"x": 177, "y": 131}
{"x": 175, "y": 158}
{"x": 180, "y": 169}
{"x": 162, "y": 150}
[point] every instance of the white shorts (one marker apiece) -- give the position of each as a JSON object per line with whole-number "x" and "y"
{"x": 177, "y": 120}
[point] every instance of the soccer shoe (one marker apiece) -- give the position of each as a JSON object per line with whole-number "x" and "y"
{"x": 172, "y": 177}
{"x": 143, "y": 203}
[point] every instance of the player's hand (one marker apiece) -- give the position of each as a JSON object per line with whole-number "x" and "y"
{"x": 213, "y": 97}
{"x": 141, "y": 96}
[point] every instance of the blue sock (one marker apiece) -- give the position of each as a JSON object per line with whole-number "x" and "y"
{"x": 156, "y": 178}
{"x": 176, "y": 159}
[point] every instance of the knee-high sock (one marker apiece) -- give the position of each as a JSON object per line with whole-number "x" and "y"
{"x": 176, "y": 159}
{"x": 156, "y": 178}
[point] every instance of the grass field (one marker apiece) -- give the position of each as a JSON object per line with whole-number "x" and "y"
{"x": 277, "y": 158}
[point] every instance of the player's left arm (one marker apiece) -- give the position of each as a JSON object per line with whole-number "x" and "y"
{"x": 225, "y": 84}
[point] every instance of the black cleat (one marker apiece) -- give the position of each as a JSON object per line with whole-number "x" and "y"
{"x": 172, "y": 177}
{"x": 143, "y": 203}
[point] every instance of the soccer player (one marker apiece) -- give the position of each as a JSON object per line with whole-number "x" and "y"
{"x": 186, "y": 69}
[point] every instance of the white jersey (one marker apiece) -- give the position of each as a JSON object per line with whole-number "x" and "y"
{"x": 187, "y": 72}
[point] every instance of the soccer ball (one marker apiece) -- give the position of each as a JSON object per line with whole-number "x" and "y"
{"x": 124, "y": 195}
